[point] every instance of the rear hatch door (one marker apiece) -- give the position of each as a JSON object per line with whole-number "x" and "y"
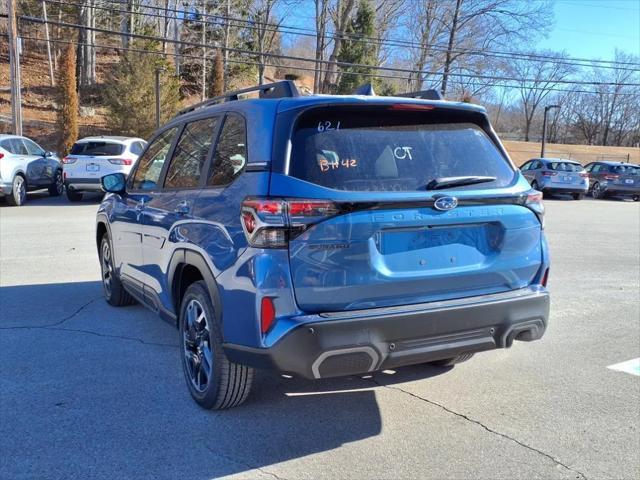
{"x": 388, "y": 244}
{"x": 93, "y": 158}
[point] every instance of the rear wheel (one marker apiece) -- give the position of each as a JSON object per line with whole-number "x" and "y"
{"x": 577, "y": 196}
{"x": 18, "y": 192}
{"x": 450, "y": 362}
{"x": 596, "y": 191}
{"x": 635, "y": 198}
{"x": 73, "y": 196}
{"x": 57, "y": 187}
{"x": 213, "y": 381}
{"x": 114, "y": 292}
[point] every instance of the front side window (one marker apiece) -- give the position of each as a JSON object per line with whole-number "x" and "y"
{"x": 389, "y": 150}
{"x": 231, "y": 152}
{"x": 190, "y": 154}
{"x": 151, "y": 162}
{"x": 33, "y": 148}
{"x": 97, "y": 149}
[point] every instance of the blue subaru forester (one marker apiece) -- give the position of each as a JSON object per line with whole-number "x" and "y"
{"x": 324, "y": 236}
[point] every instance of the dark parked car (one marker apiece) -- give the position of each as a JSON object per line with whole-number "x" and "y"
{"x": 556, "y": 175}
{"x": 614, "y": 179}
{"x": 325, "y": 236}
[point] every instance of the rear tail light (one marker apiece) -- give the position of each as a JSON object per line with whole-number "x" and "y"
{"x": 1, "y": 155}
{"x": 584, "y": 175}
{"x": 120, "y": 161}
{"x": 611, "y": 176}
{"x": 411, "y": 107}
{"x": 547, "y": 173}
{"x": 68, "y": 160}
{"x": 545, "y": 278}
{"x": 533, "y": 201}
{"x": 267, "y": 314}
{"x": 271, "y": 223}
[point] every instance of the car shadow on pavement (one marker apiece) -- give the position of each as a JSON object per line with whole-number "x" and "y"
{"x": 107, "y": 389}
{"x": 40, "y": 198}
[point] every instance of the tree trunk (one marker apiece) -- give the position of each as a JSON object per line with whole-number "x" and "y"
{"x": 321, "y": 32}
{"x": 452, "y": 38}
{"x": 343, "y": 12}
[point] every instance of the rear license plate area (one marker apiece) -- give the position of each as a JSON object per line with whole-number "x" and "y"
{"x": 629, "y": 181}
{"x": 93, "y": 167}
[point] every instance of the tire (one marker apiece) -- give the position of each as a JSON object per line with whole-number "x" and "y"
{"x": 73, "y": 196}
{"x": 534, "y": 185}
{"x": 57, "y": 187}
{"x": 450, "y": 362}
{"x": 635, "y": 198}
{"x": 114, "y": 292}
{"x": 226, "y": 384}
{"x": 577, "y": 196}
{"x": 18, "y": 195}
{"x": 596, "y": 191}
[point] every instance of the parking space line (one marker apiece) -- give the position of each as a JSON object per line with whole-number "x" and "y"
{"x": 630, "y": 366}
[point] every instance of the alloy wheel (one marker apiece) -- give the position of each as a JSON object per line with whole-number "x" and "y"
{"x": 21, "y": 189}
{"x": 107, "y": 268}
{"x": 595, "y": 192}
{"x": 197, "y": 345}
{"x": 59, "y": 183}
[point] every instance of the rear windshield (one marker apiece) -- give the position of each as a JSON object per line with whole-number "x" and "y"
{"x": 97, "y": 148}
{"x": 565, "y": 167}
{"x": 625, "y": 169}
{"x": 392, "y": 151}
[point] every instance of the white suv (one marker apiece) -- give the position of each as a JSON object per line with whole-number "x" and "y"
{"x": 25, "y": 166}
{"x": 92, "y": 158}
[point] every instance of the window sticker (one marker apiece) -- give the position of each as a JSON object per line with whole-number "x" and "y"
{"x": 402, "y": 152}
{"x": 326, "y": 126}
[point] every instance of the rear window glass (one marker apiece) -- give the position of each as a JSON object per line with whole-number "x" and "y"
{"x": 565, "y": 167}
{"x": 625, "y": 170}
{"x": 97, "y": 149}
{"x": 392, "y": 151}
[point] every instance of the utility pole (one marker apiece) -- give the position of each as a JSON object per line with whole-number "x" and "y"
{"x": 226, "y": 45}
{"x": 544, "y": 128}
{"x": 158, "y": 72}
{"x": 203, "y": 94}
{"x": 14, "y": 70}
{"x": 46, "y": 34}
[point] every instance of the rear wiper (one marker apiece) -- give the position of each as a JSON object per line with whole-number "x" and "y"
{"x": 449, "y": 182}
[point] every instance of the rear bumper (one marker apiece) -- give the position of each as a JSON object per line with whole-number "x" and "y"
{"x": 356, "y": 342}
{"x": 82, "y": 184}
{"x": 621, "y": 190}
{"x": 565, "y": 189}
{"x": 5, "y": 188}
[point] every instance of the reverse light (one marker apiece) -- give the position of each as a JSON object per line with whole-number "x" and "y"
{"x": 68, "y": 160}
{"x": 120, "y": 161}
{"x": 267, "y": 314}
{"x": 533, "y": 201}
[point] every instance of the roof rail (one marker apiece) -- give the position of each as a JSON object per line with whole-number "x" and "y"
{"x": 282, "y": 89}
{"x": 424, "y": 94}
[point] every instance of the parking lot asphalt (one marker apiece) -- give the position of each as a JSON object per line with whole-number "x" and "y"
{"x": 92, "y": 391}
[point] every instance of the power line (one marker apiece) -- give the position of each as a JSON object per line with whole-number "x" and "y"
{"x": 244, "y": 62}
{"x": 293, "y": 30}
{"x": 313, "y": 60}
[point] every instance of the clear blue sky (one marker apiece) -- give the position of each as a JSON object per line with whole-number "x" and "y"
{"x": 595, "y": 28}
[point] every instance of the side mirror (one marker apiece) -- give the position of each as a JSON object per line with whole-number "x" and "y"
{"x": 113, "y": 183}
{"x": 49, "y": 154}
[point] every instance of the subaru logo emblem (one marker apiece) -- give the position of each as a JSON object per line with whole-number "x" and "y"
{"x": 446, "y": 203}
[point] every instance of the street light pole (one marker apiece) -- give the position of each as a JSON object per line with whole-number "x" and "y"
{"x": 544, "y": 127}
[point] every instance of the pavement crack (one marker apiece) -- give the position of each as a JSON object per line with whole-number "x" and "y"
{"x": 59, "y": 322}
{"x": 244, "y": 464}
{"x": 482, "y": 425}
{"x": 107, "y": 335}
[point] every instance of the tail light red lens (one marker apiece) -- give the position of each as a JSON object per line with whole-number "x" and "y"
{"x": 267, "y": 314}
{"x": 584, "y": 175}
{"x": 533, "y": 201}
{"x": 68, "y": 160}
{"x": 1, "y": 155}
{"x": 545, "y": 278}
{"x": 121, "y": 161}
{"x": 411, "y": 107}
{"x": 547, "y": 173}
{"x": 611, "y": 176}
{"x": 271, "y": 223}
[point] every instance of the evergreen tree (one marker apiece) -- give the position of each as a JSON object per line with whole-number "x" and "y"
{"x": 67, "y": 114}
{"x": 357, "y": 48}
{"x": 217, "y": 76}
{"x": 130, "y": 93}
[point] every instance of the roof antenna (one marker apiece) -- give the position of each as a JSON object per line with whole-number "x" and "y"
{"x": 366, "y": 89}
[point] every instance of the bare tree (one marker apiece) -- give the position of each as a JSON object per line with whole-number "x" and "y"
{"x": 341, "y": 15}
{"x": 263, "y": 14}
{"x": 321, "y": 18}
{"x": 86, "y": 44}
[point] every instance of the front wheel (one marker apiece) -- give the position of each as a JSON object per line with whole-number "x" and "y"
{"x": 450, "y": 362}
{"x": 18, "y": 194}
{"x": 213, "y": 381}
{"x": 114, "y": 292}
{"x": 57, "y": 187}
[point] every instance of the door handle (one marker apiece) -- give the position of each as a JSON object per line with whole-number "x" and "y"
{"x": 140, "y": 205}
{"x": 182, "y": 208}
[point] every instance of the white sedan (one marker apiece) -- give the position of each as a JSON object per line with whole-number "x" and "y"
{"x": 25, "y": 166}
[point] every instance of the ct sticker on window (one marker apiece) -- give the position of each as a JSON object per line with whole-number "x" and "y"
{"x": 630, "y": 366}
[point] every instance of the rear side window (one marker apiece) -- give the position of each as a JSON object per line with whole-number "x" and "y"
{"x": 151, "y": 162}
{"x": 97, "y": 149}
{"x": 625, "y": 170}
{"x": 136, "y": 148}
{"x": 190, "y": 154}
{"x": 565, "y": 167}
{"x": 392, "y": 151}
{"x": 15, "y": 146}
{"x": 231, "y": 152}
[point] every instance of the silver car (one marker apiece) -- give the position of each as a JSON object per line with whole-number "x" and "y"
{"x": 25, "y": 166}
{"x": 557, "y": 175}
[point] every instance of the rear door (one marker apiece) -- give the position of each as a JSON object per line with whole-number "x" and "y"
{"x": 389, "y": 244}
